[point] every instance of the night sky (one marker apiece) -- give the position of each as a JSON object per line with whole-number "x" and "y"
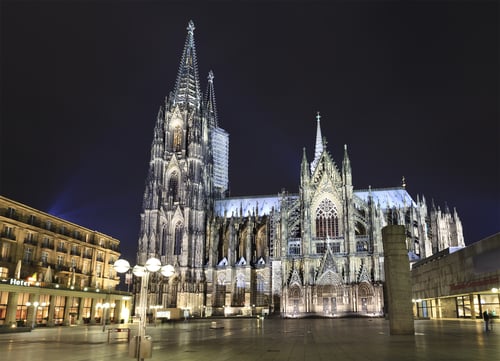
{"x": 411, "y": 88}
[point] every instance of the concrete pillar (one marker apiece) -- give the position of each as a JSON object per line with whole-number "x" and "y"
{"x": 81, "y": 303}
{"x": 92, "y": 311}
{"x": 67, "y": 304}
{"x": 472, "y": 308}
{"x": 52, "y": 309}
{"x": 10, "y": 317}
{"x": 397, "y": 280}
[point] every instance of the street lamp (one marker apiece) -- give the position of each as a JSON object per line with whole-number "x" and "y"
{"x": 35, "y": 306}
{"x": 152, "y": 265}
{"x": 104, "y": 307}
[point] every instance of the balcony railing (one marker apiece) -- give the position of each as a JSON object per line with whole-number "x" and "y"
{"x": 9, "y": 235}
{"x": 31, "y": 241}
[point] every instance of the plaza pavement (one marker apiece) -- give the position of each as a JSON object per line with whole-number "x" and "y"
{"x": 247, "y": 339}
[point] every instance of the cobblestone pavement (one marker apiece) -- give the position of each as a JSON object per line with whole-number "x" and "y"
{"x": 271, "y": 339}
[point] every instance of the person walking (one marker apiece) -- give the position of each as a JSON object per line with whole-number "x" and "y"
{"x": 486, "y": 318}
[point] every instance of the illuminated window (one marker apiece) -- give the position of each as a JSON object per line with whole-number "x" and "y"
{"x": 44, "y": 257}
{"x": 327, "y": 223}
{"x": 5, "y": 251}
{"x": 98, "y": 269}
{"x": 177, "y": 144}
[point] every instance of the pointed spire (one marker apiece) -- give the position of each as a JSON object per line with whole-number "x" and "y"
{"x": 347, "y": 162}
{"x": 318, "y": 150}
{"x": 210, "y": 101}
{"x": 187, "y": 87}
{"x": 346, "y": 167}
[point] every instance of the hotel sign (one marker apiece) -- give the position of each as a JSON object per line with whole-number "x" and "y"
{"x": 16, "y": 282}
{"x": 473, "y": 285}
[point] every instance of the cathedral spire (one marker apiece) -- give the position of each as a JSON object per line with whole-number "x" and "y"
{"x": 187, "y": 86}
{"x": 210, "y": 101}
{"x": 318, "y": 150}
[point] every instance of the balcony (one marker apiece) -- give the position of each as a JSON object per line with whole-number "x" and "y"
{"x": 8, "y": 235}
{"x": 31, "y": 241}
{"x": 47, "y": 245}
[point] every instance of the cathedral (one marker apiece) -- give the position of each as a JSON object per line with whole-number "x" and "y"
{"x": 315, "y": 252}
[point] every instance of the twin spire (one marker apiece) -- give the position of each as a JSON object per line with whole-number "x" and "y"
{"x": 187, "y": 86}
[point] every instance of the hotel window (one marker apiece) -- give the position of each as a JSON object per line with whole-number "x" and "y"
{"x": 28, "y": 255}
{"x": 98, "y": 269}
{"x": 60, "y": 260}
{"x": 11, "y": 212}
{"x": 5, "y": 251}
{"x": 59, "y": 305}
{"x": 22, "y": 309}
{"x": 8, "y": 232}
{"x": 44, "y": 257}
{"x": 4, "y": 298}
{"x": 85, "y": 268}
{"x": 73, "y": 262}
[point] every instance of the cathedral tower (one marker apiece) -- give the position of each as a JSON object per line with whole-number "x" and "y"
{"x": 180, "y": 188}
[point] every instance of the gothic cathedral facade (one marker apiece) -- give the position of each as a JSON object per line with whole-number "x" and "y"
{"x": 316, "y": 252}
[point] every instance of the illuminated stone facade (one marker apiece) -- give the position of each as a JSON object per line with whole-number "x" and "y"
{"x": 315, "y": 252}
{"x": 63, "y": 268}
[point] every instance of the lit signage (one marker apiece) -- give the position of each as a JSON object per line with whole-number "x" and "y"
{"x": 163, "y": 314}
{"x": 474, "y": 284}
{"x": 16, "y": 282}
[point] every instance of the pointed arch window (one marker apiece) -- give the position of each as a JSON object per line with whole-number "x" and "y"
{"x": 177, "y": 140}
{"x": 173, "y": 186}
{"x": 179, "y": 230}
{"x": 327, "y": 222}
{"x": 239, "y": 295}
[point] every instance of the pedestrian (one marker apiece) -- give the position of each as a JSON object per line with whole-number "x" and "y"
{"x": 486, "y": 318}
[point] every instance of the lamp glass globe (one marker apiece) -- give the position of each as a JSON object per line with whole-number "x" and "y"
{"x": 153, "y": 264}
{"x": 167, "y": 270}
{"x": 121, "y": 266}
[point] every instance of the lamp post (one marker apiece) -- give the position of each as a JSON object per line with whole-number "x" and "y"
{"x": 35, "y": 307}
{"x": 104, "y": 307}
{"x": 152, "y": 265}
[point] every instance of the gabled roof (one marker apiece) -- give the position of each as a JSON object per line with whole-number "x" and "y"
{"x": 387, "y": 197}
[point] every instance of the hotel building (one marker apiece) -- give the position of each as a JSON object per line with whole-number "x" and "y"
{"x": 54, "y": 272}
